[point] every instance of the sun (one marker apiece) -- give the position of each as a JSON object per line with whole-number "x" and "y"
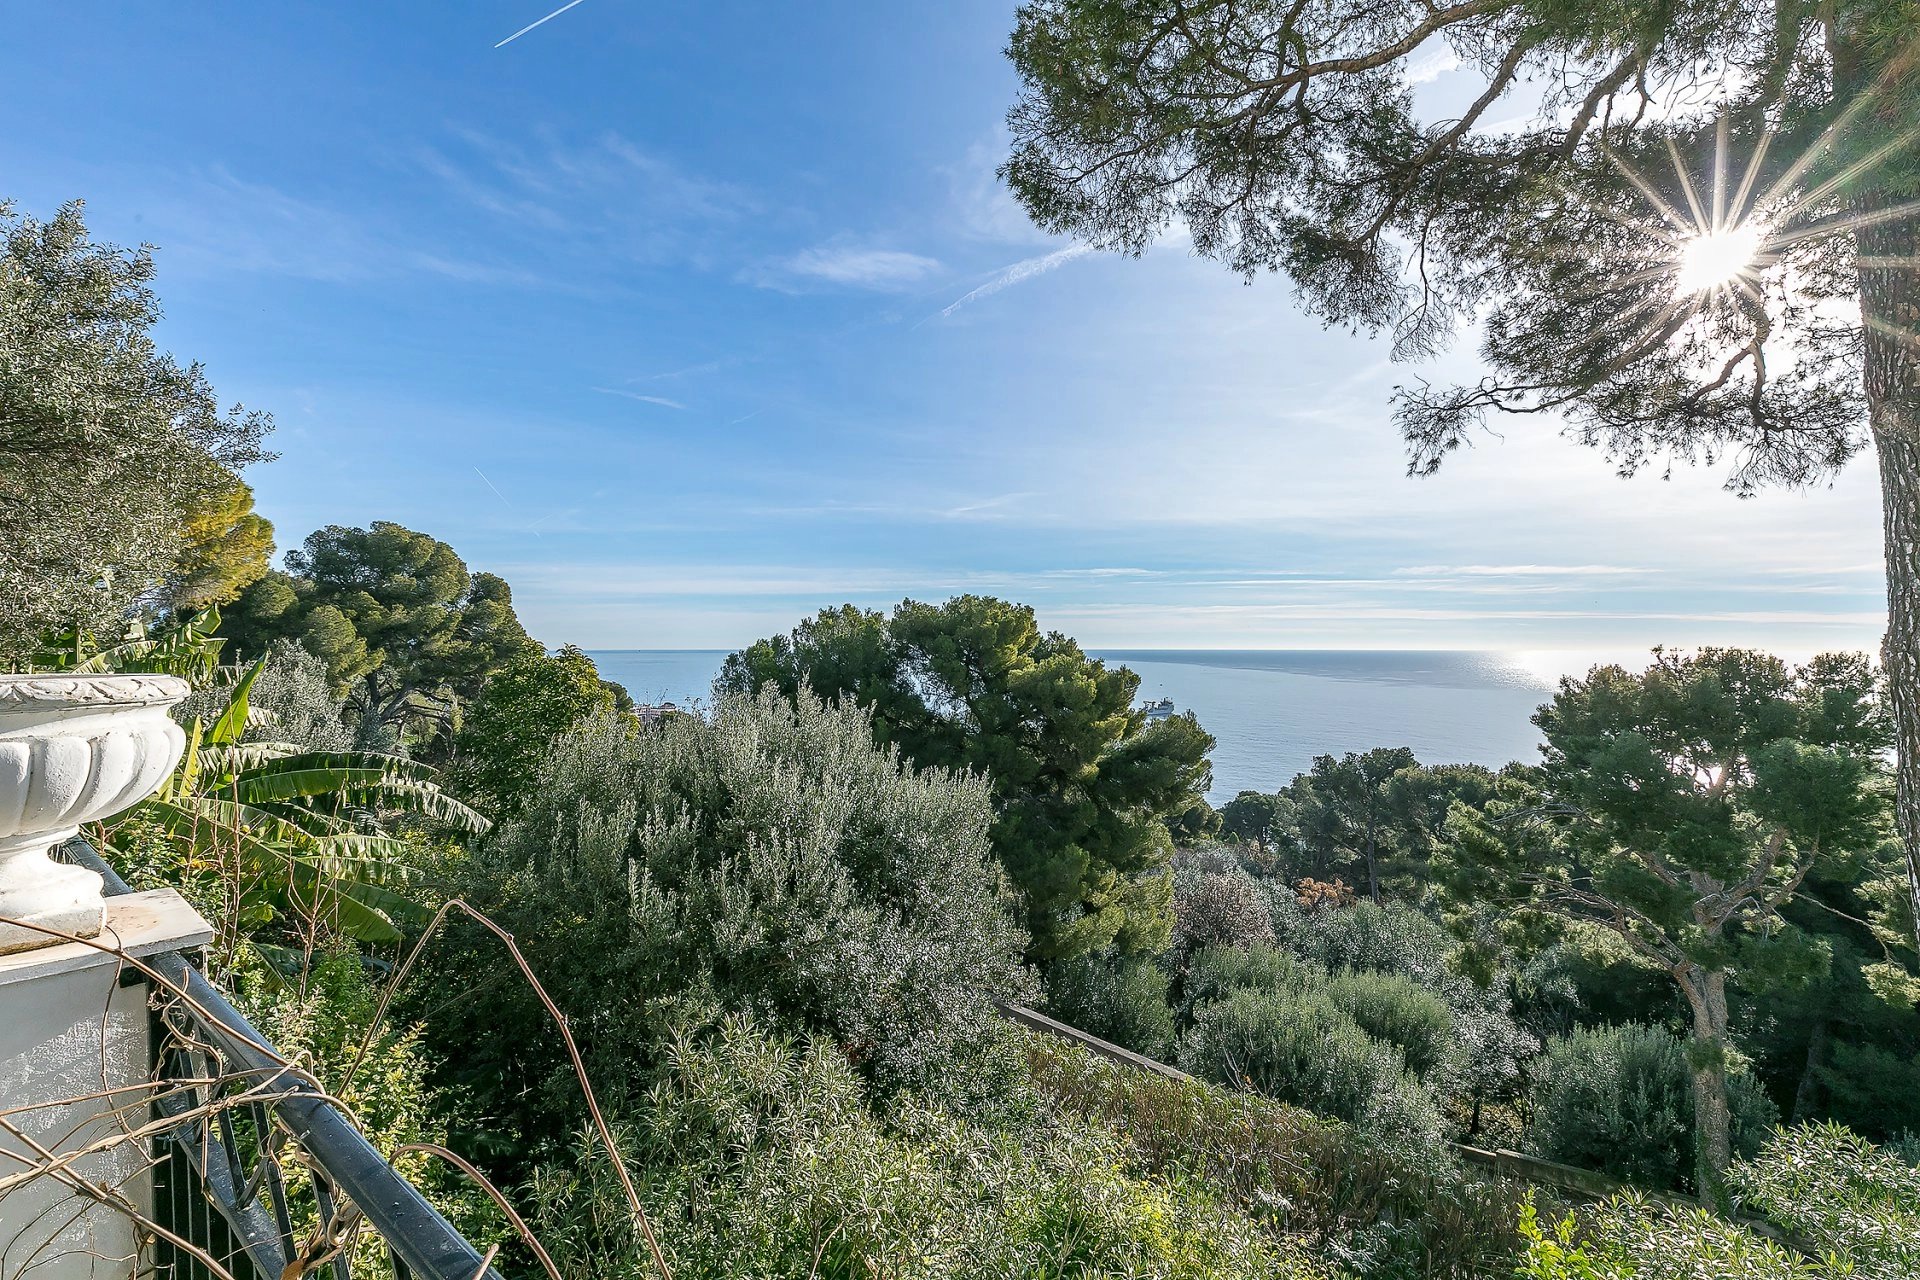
{"x": 1716, "y": 259}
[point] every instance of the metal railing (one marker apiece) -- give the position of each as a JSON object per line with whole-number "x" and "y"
{"x": 264, "y": 1172}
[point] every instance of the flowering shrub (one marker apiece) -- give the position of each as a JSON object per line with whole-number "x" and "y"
{"x": 1211, "y": 907}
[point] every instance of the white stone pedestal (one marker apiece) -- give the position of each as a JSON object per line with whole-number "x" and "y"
{"x": 74, "y": 1046}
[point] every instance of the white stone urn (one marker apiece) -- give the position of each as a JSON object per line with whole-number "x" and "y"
{"x": 73, "y": 749}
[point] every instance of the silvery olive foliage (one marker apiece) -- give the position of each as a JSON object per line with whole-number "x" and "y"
{"x": 107, "y": 444}
{"x": 767, "y": 859}
{"x": 290, "y": 702}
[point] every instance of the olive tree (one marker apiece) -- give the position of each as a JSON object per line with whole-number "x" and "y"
{"x": 109, "y": 448}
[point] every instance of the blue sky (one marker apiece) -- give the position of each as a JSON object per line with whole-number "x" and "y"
{"x": 690, "y": 319}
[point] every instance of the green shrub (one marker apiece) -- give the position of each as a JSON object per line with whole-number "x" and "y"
{"x": 757, "y": 1158}
{"x": 1629, "y": 1238}
{"x": 1840, "y": 1193}
{"x": 1118, "y": 998}
{"x": 291, "y": 701}
{"x": 1368, "y": 1207}
{"x": 1394, "y": 1008}
{"x": 769, "y": 860}
{"x": 1393, "y": 938}
{"x": 1300, "y": 1047}
{"x": 1619, "y": 1099}
{"x": 1215, "y": 972}
{"x": 510, "y": 729}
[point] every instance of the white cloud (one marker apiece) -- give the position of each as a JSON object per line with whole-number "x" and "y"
{"x": 849, "y": 266}
{"x": 217, "y": 223}
{"x": 1514, "y": 570}
{"x": 1431, "y": 67}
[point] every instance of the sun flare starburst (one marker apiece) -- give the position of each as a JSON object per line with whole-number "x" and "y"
{"x": 1718, "y": 258}
{"x": 1725, "y": 240}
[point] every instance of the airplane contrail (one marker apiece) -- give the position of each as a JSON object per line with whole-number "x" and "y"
{"x": 531, "y": 25}
{"x": 532, "y": 529}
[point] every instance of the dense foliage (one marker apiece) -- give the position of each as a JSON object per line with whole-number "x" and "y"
{"x": 1302, "y": 1048}
{"x": 1374, "y": 1209}
{"x": 770, "y": 860}
{"x": 112, "y": 454}
{"x": 1083, "y": 787}
{"x": 760, "y": 1157}
{"x": 1850, "y": 1210}
{"x": 523, "y": 709}
{"x": 1619, "y": 1099}
{"x": 305, "y": 844}
{"x": 1681, "y": 807}
{"x": 407, "y": 632}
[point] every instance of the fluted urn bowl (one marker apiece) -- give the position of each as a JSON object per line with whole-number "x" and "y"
{"x": 73, "y": 749}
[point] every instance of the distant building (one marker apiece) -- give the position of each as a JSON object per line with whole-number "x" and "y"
{"x": 652, "y": 714}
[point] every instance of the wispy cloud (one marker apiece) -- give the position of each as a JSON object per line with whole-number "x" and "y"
{"x": 1515, "y": 570}
{"x": 531, "y": 25}
{"x": 580, "y": 204}
{"x": 635, "y": 395}
{"x": 848, "y": 266}
{"x": 1434, "y": 65}
{"x": 1025, "y": 269}
{"x": 217, "y": 222}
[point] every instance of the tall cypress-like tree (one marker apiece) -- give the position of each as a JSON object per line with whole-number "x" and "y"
{"x": 1705, "y": 247}
{"x": 1082, "y": 786}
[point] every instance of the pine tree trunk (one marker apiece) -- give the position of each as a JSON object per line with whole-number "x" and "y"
{"x": 1890, "y": 307}
{"x": 1890, "y": 330}
{"x": 1706, "y": 992}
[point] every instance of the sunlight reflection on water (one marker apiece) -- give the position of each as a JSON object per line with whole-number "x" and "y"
{"x": 1272, "y": 711}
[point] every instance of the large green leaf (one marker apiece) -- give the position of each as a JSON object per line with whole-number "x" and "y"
{"x": 391, "y": 766}
{"x": 260, "y": 786}
{"x": 232, "y": 724}
{"x": 243, "y": 757}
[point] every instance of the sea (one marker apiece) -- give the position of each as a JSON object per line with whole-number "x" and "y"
{"x": 1272, "y": 710}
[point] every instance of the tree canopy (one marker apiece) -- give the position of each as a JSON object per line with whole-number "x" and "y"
{"x": 226, "y": 547}
{"x": 1681, "y": 809}
{"x": 523, "y": 710}
{"x": 109, "y": 448}
{"x": 406, "y": 631}
{"x": 1082, "y": 786}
